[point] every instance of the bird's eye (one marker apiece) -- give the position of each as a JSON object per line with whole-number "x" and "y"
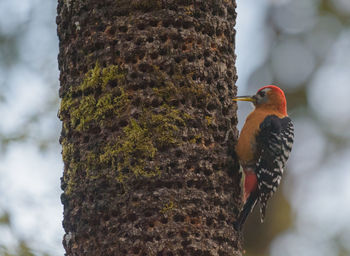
{"x": 262, "y": 93}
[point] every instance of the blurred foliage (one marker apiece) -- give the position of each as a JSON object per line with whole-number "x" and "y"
{"x": 18, "y": 53}
{"x": 19, "y": 247}
{"x": 21, "y": 250}
{"x": 9, "y": 49}
{"x": 23, "y": 34}
{"x": 5, "y": 219}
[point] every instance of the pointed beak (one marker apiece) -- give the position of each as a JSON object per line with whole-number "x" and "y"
{"x": 244, "y": 98}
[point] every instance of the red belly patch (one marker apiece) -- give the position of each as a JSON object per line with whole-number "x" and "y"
{"x": 250, "y": 183}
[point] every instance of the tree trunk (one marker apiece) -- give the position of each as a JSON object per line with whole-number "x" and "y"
{"x": 148, "y": 127}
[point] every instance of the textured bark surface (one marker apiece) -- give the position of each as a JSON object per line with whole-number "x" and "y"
{"x": 148, "y": 127}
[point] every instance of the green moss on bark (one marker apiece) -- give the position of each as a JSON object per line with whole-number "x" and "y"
{"x": 103, "y": 96}
{"x": 92, "y": 79}
{"x": 68, "y": 151}
{"x": 167, "y": 207}
{"x": 132, "y": 152}
{"x": 128, "y": 156}
{"x": 179, "y": 86}
{"x": 89, "y": 108}
{"x": 84, "y": 113}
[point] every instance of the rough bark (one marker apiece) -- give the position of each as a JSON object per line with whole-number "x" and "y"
{"x": 148, "y": 127}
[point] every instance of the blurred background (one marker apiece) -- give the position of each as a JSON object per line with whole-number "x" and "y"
{"x": 302, "y": 46}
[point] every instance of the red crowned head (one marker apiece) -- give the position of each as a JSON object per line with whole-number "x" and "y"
{"x": 267, "y": 97}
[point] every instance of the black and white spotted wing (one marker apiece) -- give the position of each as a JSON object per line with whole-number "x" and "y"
{"x": 274, "y": 143}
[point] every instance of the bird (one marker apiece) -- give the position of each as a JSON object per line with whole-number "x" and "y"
{"x": 263, "y": 148}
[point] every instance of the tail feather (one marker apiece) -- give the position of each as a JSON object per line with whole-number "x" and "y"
{"x": 263, "y": 203}
{"x": 262, "y": 212}
{"x": 247, "y": 209}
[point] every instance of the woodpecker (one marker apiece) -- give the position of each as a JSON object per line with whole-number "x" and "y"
{"x": 263, "y": 148}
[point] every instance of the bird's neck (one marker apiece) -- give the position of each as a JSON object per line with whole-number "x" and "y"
{"x": 279, "y": 110}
